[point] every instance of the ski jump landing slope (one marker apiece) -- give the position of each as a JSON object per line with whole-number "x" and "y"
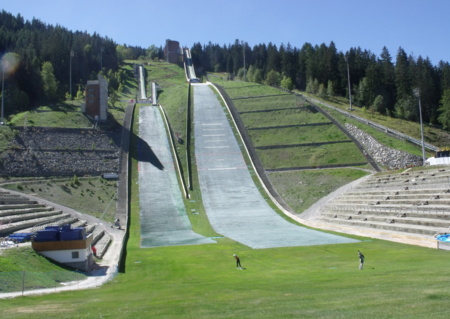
{"x": 232, "y": 202}
{"x": 164, "y": 221}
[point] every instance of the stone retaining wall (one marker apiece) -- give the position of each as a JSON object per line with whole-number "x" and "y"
{"x": 61, "y": 152}
{"x": 387, "y": 157}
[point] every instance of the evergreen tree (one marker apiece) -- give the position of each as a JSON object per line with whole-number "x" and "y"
{"x": 388, "y": 80}
{"x": 322, "y": 93}
{"x": 402, "y": 75}
{"x": 273, "y": 59}
{"x": 312, "y": 86}
{"x": 378, "y": 105}
{"x": 444, "y": 109}
{"x": 330, "y": 89}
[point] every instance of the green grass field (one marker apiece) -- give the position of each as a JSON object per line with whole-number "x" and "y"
{"x": 311, "y": 156}
{"x": 282, "y": 117}
{"x": 91, "y": 195}
{"x": 301, "y": 189}
{"x": 297, "y": 135}
{"x": 398, "y": 280}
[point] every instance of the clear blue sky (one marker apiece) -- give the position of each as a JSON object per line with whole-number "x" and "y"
{"x": 420, "y": 27}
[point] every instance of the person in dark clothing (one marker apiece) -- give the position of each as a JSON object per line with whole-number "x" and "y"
{"x": 361, "y": 260}
{"x": 238, "y": 262}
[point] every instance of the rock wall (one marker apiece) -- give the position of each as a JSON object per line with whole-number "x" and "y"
{"x": 61, "y": 152}
{"x": 387, "y": 157}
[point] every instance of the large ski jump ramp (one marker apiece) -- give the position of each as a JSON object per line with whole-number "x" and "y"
{"x": 232, "y": 202}
{"x": 163, "y": 217}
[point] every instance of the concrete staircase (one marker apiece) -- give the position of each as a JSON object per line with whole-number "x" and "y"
{"x": 416, "y": 203}
{"x": 19, "y": 214}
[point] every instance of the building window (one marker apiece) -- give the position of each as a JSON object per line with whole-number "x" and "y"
{"x": 75, "y": 254}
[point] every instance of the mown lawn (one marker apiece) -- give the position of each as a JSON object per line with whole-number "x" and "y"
{"x": 297, "y": 135}
{"x": 90, "y": 195}
{"x": 311, "y": 156}
{"x": 282, "y": 117}
{"x": 301, "y": 189}
{"x": 282, "y": 100}
{"x": 398, "y": 281}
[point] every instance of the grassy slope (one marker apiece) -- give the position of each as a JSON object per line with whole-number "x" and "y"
{"x": 432, "y": 135}
{"x": 39, "y": 271}
{"x": 399, "y": 281}
{"x": 91, "y": 195}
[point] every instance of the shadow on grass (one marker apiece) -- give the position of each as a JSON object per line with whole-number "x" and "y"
{"x": 144, "y": 151}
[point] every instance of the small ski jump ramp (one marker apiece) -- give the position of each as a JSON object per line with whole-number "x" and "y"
{"x": 164, "y": 221}
{"x": 232, "y": 202}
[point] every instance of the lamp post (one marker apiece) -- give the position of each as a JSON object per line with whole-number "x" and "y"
{"x": 70, "y": 74}
{"x": 243, "y": 51}
{"x": 417, "y": 94}
{"x": 101, "y": 59}
{"x": 3, "y": 92}
{"x": 349, "y": 86}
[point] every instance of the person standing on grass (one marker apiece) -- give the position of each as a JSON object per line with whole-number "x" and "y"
{"x": 361, "y": 260}
{"x": 238, "y": 262}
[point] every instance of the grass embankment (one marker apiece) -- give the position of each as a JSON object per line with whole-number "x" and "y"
{"x": 432, "y": 135}
{"x": 274, "y": 111}
{"x": 90, "y": 195}
{"x": 398, "y": 281}
{"x": 22, "y": 268}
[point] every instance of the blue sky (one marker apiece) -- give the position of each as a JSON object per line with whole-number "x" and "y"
{"x": 420, "y": 27}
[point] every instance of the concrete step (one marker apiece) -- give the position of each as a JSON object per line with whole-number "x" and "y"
{"x": 391, "y": 209}
{"x": 102, "y": 244}
{"x": 22, "y": 217}
{"x": 79, "y": 223}
{"x": 27, "y": 226}
{"x": 6, "y": 196}
{"x": 12, "y": 212}
{"x": 19, "y": 200}
{"x": 389, "y": 192}
{"x": 393, "y": 202}
{"x": 419, "y": 221}
{"x": 20, "y": 206}
{"x": 397, "y": 227}
{"x": 389, "y": 214}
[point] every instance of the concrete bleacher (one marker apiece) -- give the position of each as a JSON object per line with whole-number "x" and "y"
{"x": 19, "y": 214}
{"x": 412, "y": 202}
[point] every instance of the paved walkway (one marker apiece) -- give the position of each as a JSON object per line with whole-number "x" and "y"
{"x": 163, "y": 217}
{"x": 232, "y": 202}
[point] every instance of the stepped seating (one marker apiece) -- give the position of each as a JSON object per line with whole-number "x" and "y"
{"x": 412, "y": 202}
{"x": 29, "y": 224}
{"x": 101, "y": 241}
{"x": 20, "y": 206}
{"x": 15, "y": 200}
{"x": 18, "y": 214}
{"x": 21, "y": 211}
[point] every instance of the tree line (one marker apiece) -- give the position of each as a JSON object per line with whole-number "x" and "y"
{"x": 390, "y": 86}
{"x": 40, "y": 61}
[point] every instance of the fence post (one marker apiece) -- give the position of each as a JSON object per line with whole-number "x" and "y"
{"x": 23, "y": 282}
